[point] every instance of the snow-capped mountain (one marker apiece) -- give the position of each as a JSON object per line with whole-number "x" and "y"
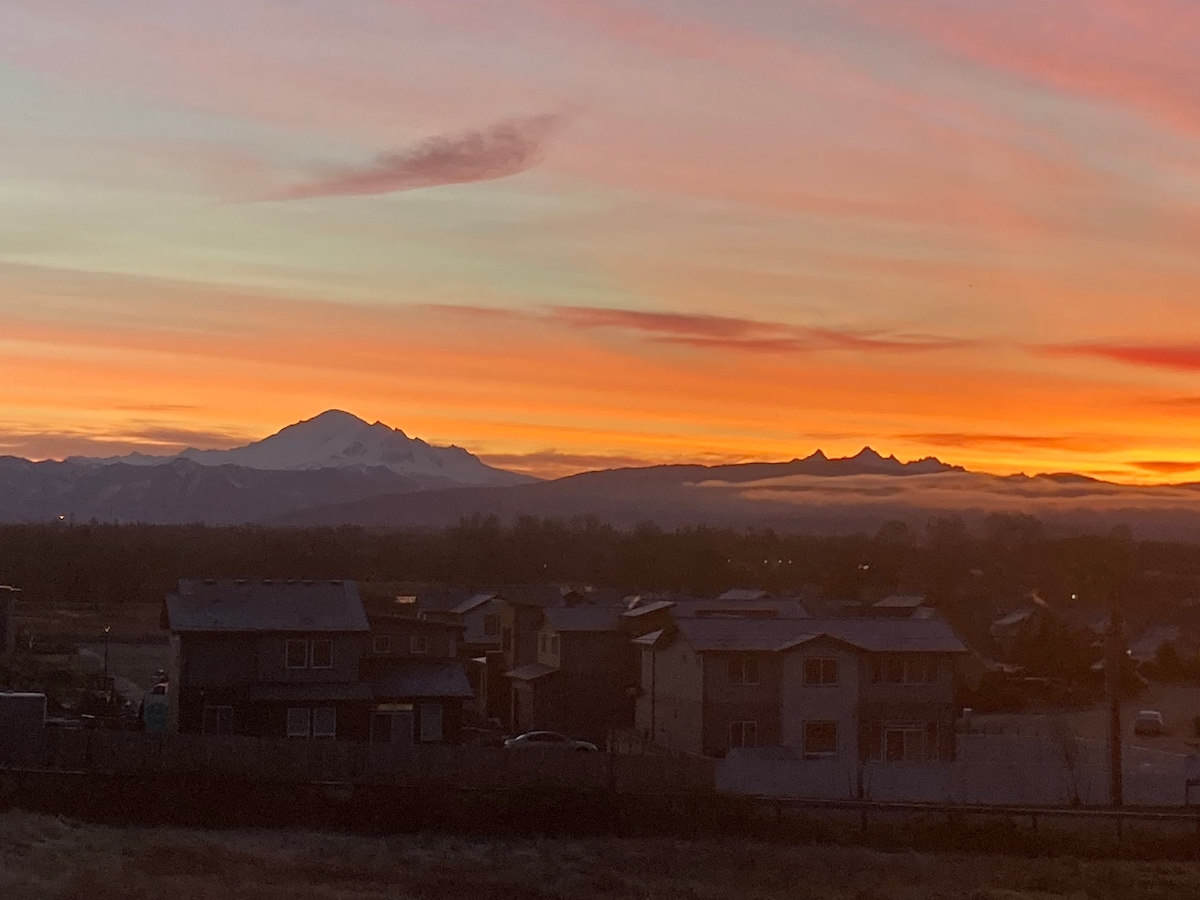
{"x": 339, "y": 440}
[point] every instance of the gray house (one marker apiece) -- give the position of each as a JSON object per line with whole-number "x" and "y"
{"x": 268, "y": 658}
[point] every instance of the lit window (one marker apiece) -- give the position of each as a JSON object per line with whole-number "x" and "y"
{"x": 321, "y": 654}
{"x": 820, "y": 739}
{"x": 820, "y": 670}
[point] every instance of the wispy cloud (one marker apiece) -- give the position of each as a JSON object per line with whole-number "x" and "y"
{"x": 506, "y": 148}
{"x": 1167, "y": 466}
{"x": 1184, "y": 357}
{"x": 973, "y": 440}
{"x": 16, "y": 440}
{"x": 732, "y": 333}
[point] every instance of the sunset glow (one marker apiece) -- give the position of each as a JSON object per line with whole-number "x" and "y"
{"x": 576, "y": 234}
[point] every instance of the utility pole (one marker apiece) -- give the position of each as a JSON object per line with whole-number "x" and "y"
{"x": 1113, "y": 665}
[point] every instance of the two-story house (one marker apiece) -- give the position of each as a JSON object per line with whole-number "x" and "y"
{"x": 268, "y": 658}
{"x": 584, "y": 679}
{"x": 853, "y": 688}
{"x": 417, "y": 680}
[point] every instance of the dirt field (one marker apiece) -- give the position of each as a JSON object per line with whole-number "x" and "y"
{"x": 43, "y": 857}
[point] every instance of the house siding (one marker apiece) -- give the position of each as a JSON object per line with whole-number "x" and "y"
{"x": 839, "y": 703}
{"x": 671, "y": 708}
{"x": 726, "y": 702}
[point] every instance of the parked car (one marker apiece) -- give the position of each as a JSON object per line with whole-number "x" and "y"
{"x": 548, "y": 739}
{"x": 1149, "y": 722}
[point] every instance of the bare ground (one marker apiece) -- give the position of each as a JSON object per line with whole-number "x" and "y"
{"x": 46, "y": 857}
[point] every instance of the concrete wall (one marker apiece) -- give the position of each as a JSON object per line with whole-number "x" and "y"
{"x": 800, "y": 703}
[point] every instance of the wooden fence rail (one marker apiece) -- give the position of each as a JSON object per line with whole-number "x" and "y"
{"x": 273, "y": 760}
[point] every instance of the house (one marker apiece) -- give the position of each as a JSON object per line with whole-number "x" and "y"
{"x": 863, "y": 688}
{"x": 899, "y": 605}
{"x": 418, "y": 684}
{"x": 268, "y": 658}
{"x": 584, "y": 679}
{"x": 8, "y": 620}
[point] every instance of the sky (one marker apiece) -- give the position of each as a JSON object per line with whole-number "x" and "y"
{"x": 573, "y": 234}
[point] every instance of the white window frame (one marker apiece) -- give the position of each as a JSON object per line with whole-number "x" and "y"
{"x": 218, "y": 709}
{"x": 824, "y": 664}
{"x": 925, "y": 736}
{"x": 294, "y": 713}
{"x": 327, "y": 729}
{"x": 741, "y": 664}
{"x": 287, "y": 653}
{"x": 418, "y": 644}
{"x": 821, "y": 754}
{"x": 312, "y": 654}
{"x": 381, "y": 644}
{"x": 741, "y": 728}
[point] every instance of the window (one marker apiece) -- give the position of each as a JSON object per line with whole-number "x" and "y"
{"x": 419, "y": 643}
{"x": 381, "y": 644}
{"x": 554, "y": 645}
{"x": 506, "y": 640}
{"x": 909, "y": 742}
{"x": 297, "y": 654}
{"x": 905, "y": 670}
{"x": 217, "y": 720}
{"x": 820, "y": 670}
{"x": 491, "y": 625}
{"x": 324, "y": 722}
{"x": 743, "y": 670}
{"x": 820, "y": 740}
{"x": 743, "y": 734}
{"x": 321, "y": 654}
{"x": 298, "y": 722}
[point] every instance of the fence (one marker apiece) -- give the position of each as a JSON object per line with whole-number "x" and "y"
{"x": 989, "y": 769}
{"x": 271, "y": 760}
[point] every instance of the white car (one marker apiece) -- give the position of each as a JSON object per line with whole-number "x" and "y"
{"x": 550, "y": 740}
{"x": 1149, "y": 722}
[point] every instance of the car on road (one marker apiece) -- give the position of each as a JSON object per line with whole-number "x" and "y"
{"x": 551, "y": 740}
{"x": 1149, "y": 722}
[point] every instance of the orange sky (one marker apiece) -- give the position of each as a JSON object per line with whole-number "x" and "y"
{"x": 567, "y": 234}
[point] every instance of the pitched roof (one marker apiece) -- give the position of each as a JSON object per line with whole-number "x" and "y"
{"x": 243, "y": 605}
{"x": 900, "y": 601}
{"x": 650, "y": 638}
{"x": 421, "y": 678}
{"x": 472, "y": 602}
{"x": 932, "y": 635}
{"x": 583, "y": 618}
{"x": 530, "y": 672}
{"x": 744, "y": 594}
{"x": 647, "y": 608}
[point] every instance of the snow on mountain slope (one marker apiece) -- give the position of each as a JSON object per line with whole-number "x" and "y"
{"x": 337, "y": 439}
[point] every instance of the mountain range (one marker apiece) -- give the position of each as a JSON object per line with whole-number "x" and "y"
{"x": 338, "y": 469}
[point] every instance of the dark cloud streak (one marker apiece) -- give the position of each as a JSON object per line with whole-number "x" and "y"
{"x": 506, "y": 148}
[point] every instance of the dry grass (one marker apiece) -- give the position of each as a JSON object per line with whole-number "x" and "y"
{"x": 45, "y": 857}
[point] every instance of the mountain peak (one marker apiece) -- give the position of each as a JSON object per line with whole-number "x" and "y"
{"x": 336, "y": 439}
